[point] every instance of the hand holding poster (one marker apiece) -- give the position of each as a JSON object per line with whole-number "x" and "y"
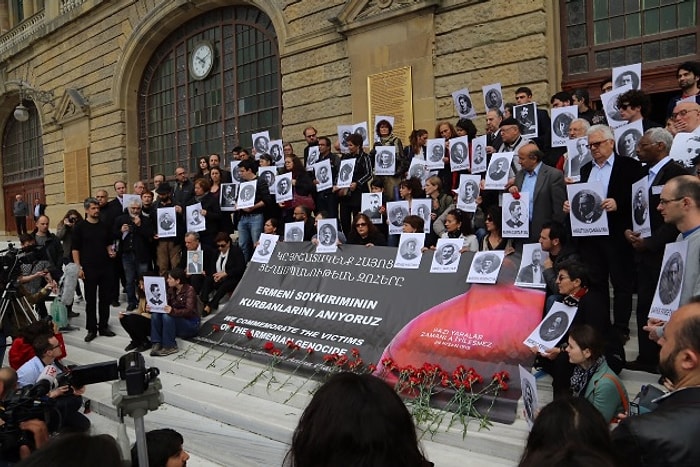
{"x": 155, "y": 293}
{"x": 385, "y": 160}
{"x": 266, "y": 245}
{"x": 497, "y": 173}
{"x": 515, "y": 215}
{"x": 435, "y": 151}
{"x": 561, "y": 120}
{"x": 459, "y": 153}
{"x": 668, "y": 288}
{"x": 468, "y": 192}
{"x": 196, "y": 222}
{"x": 322, "y": 171}
{"x": 447, "y": 255}
{"x": 167, "y": 225}
{"x": 640, "y": 208}
{"x": 552, "y": 328}
{"x": 246, "y": 195}
{"x": 408, "y": 254}
{"x": 485, "y": 267}
{"x": 586, "y": 212}
{"x": 478, "y": 164}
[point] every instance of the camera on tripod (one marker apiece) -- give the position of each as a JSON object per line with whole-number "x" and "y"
{"x": 12, "y": 257}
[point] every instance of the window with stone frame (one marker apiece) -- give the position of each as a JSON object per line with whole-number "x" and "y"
{"x": 22, "y": 148}
{"x": 598, "y": 35}
{"x": 182, "y": 118}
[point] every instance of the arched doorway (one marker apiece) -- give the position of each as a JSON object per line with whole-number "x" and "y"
{"x": 188, "y": 111}
{"x": 22, "y": 164}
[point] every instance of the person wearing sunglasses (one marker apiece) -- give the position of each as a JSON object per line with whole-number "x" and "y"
{"x": 635, "y": 105}
{"x": 228, "y": 270}
{"x": 365, "y": 233}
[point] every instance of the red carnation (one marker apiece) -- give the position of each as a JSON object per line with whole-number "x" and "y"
{"x": 249, "y": 334}
{"x": 516, "y": 195}
{"x": 276, "y": 352}
{"x": 214, "y": 327}
{"x": 309, "y": 350}
{"x": 268, "y": 346}
{"x": 355, "y": 352}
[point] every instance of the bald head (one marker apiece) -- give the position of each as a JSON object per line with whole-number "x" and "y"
{"x": 680, "y": 346}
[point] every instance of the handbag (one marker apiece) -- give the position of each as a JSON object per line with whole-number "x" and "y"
{"x": 59, "y": 313}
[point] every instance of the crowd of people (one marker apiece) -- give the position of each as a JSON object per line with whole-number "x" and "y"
{"x": 117, "y": 241}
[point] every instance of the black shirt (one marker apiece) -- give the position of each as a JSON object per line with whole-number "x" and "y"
{"x": 92, "y": 240}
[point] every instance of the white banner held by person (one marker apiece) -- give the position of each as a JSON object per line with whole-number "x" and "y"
{"x": 408, "y": 254}
{"x": 196, "y": 221}
{"x": 552, "y": 328}
{"x": 515, "y": 215}
{"x": 447, "y": 255}
{"x": 561, "y": 120}
{"x": 459, "y": 153}
{"x": 668, "y": 289}
{"x": 485, "y": 267}
{"x": 156, "y": 296}
{"x": 640, "y": 208}
{"x": 266, "y": 245}
{"x": 587, "y": 215}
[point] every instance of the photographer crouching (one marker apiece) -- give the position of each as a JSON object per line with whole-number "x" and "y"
{"x": 36, "y": 273}
{"x": 46, "y": 371}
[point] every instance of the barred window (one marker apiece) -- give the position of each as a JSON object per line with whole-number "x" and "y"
{"x": 22, "y": 148}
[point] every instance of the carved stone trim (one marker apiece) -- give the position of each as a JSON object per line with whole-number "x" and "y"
{"x": 358, "y": 14}
{"x": 73, "y": 106}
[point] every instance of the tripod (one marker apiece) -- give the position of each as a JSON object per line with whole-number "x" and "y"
{"x": 16, "y": 303}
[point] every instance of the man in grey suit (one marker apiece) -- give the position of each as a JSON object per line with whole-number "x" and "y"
{"x": 546, "y": 188}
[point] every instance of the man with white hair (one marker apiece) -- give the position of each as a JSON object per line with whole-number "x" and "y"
{"x": 611, "y": 256}
{"x": 686, "y": 117}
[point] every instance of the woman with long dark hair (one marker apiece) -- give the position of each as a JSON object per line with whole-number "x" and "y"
{"x": 351, "y": 198}
{"x": 202, "y": 167}
{"x": 302, "y": 187}
{"x": 364, "y": 232}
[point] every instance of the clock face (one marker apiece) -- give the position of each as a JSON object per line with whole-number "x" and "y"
{"x": 202, "y": 60}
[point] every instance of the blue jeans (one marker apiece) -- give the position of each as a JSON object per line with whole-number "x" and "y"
{"x": 132, "y": 269}
{"x": 250, "y": 226}
{"x": 164, "y": 328}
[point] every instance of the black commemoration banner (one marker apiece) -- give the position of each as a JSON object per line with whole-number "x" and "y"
{"x": 356, "y": 299}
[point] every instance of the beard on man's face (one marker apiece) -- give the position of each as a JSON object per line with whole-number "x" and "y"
{"x": 667, "y": 369}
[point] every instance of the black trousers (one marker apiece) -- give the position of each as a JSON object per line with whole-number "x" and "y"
{"x": 221, "y": 288}
{"x": 137, "y": 326}
{"x": 98, "y": 279}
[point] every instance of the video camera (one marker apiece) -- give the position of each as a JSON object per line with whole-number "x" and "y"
{"x": 12, "y": 257}
{"x": 32, "y": 402}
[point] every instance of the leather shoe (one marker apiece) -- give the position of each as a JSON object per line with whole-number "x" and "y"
{"x": 91, "y": 335}
{"x": 107, "y": 332}
{"x": 115, "y": 303}
{"x": 637, "y": 365}
{"x": 132, "y": 346}
{"x": 73, "y": 314}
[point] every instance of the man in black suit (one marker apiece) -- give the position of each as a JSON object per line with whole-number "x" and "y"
{"x": 205, "y": 263}
{"x": 653, "y": 150}
{"x": 611, "y": 256}
{"x": 229, "y": 268}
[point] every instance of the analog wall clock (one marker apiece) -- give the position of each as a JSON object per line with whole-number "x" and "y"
{"x": 202, "y": 59}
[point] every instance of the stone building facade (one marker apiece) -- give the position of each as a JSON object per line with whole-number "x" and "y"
{"x": 102, "y": 60}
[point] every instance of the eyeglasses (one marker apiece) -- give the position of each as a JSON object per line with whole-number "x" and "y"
{"x": 361, "y": 224}
{"x": 177, "y": 174}
{"x": 683, "y": 113}
{"x": 595, "y": 144}
{"x": 664, "y": 202}
{"x": 624, "y": 106}
{"x": 562, "y": 277}
{"x": 311, "y": 135}
{"x": 221, "y": 245}
{"x": 489, "y": 219}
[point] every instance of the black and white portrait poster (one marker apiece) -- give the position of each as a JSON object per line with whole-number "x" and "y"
{"x": 343, "y": 132}
{"x": 485, "y": 267}
{"x": 385, "y": 160}
{"x": 463, "y": 104}
{"x": 167, "y": 224}
{"x": 235, "y": 175}
{"x": 266, "y": 245}
{"x": 408, "y": 254}
{"x": 347, "y": 168}
{"x": 531, "y": 400}
{"x": 195, "y": 262}
{"x": 322, "y": 172}
{"x": 421, "y": 207}
{"x": 668, "y": 289}
{"x": 327, "y": 236}
{"x": 269, "y": 174}
{"x": 577, "y": 154}
{"x": 156, "y": 296}
{"x": 478, "y": 155}
{"x": 246, "y": 194}
{"x": 685, "y": 147}
{"x": 526, "y": 115}
{"x": 447, "y": 255}
{"x": 626, "y": 138}
{"x": 612, "y": 113}
{"x": 515, "y": 215}
{"x": 587, "y": 215}
{"x": 261, "y": 143}
{"x": 493, "y": 96}
{"x": 548, "y": 333}
{"x": 531, "y": 265}
{"x": 396, "y": 213}
{"x": 435, "y": 151}
{"x": 459, "y": 153}
{"x": 361, "y": 129}
{"x": 628, "y": 75}
{"x": 227, "y": 196}
{"x": 418, "y": 169}
{"x": 640, "y": 208}
{"x": 379, "y": 118}
{"x": 497, "y": 173}
{"x": 277, "y": 152}
{"x": 561, "y": 120}
{"x": 283, "y": 188}
{"x": 372, "y": 207}
{"x": 468, "y": 192}
{"x": 314, "y": 154}
{"x": 294, "y": 231}
{"x": 196, "y": 222}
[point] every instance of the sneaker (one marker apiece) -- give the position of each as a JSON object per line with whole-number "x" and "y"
{"x": 165, "y": 351}
{"x": 132, "y": 346}
{"x": 155, "y": 349}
